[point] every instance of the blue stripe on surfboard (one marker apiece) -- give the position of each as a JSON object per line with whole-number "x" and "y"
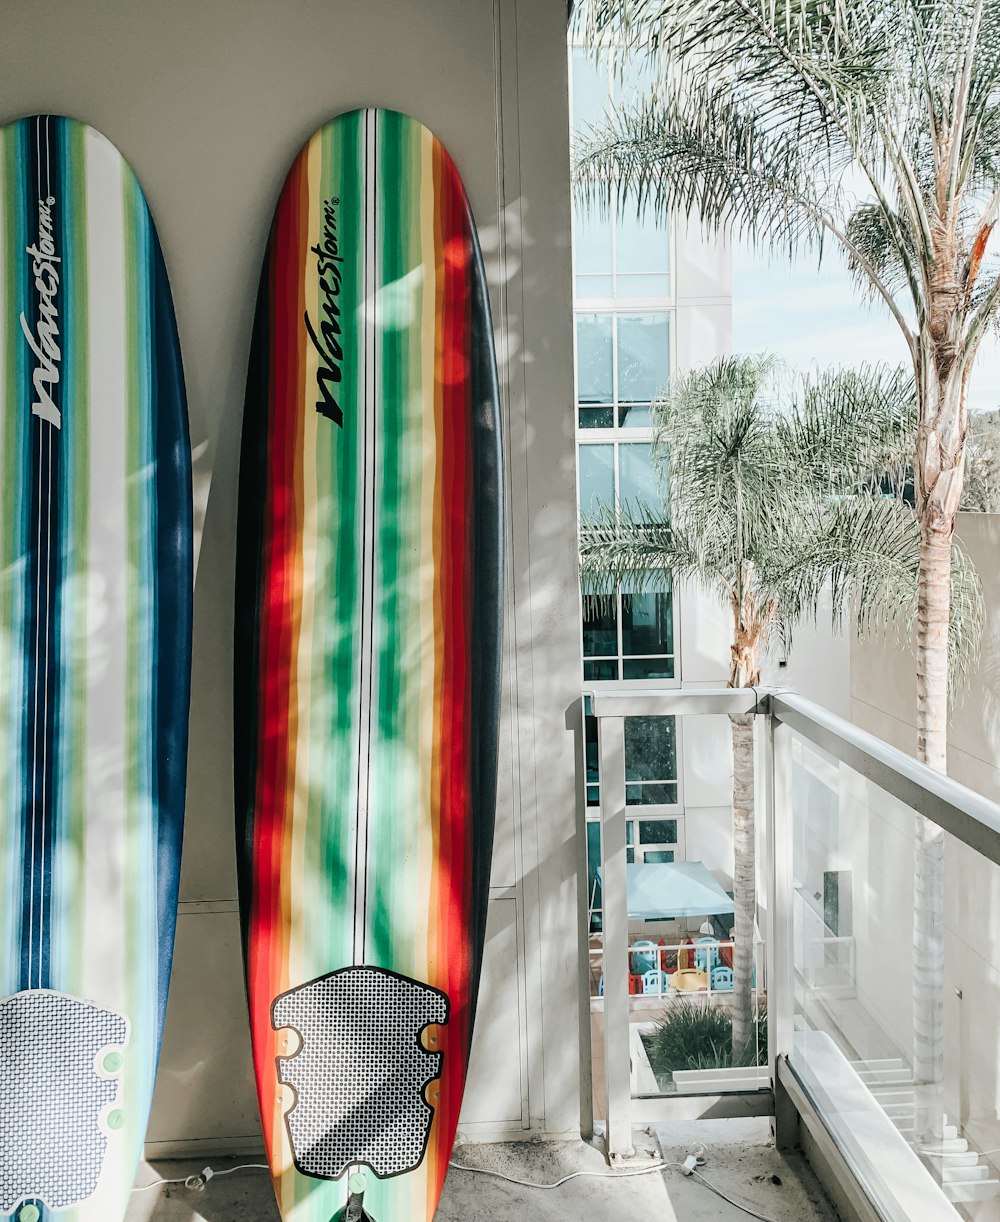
{"x": 62, "y": 944}
{"x": 42, "y": 581}
{"x": 43, "y": 587}
{"x": 173, "y": 605}
{"x": 15, "y": 224}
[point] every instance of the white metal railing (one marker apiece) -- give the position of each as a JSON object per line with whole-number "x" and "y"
{"x": 965, "y": 815}
{"x": 701, "y": 958}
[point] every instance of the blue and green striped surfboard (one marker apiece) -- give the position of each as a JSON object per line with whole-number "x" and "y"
{"x": 95, "y": 647}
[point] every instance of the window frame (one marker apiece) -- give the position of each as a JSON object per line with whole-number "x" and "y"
{"x": 638, "y": 432}
{"x": 619, "y": 303}
{"x": 620, "y": 657}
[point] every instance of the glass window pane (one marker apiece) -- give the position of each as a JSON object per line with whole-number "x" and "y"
{"x": 648, "y": 668}
{"x": 592, "y": 288}
{"x": 658, "y": 831}
{"x": 643, "y": 356}
{"x": 638, "y": 479}
{"x": 635, "y": 416}
{"x": 659, "y": 857}
{"x": 590, "y": 734}
{"x": 600, "y": 631}
{"x": 650, "y": 749}
{"x": 643, "y": 247}
{"x": 600, "y": 670}
{"x": 635, "y": 79}
{"x": 593, "y": 795}
{"x": 596, "y": 417}
{"x": 593, "y": 358}
{"x": 647, "y": 623}
{"x": 597, "y": 477}
{"x": 591, "y": 240}
{"x": 593, "y": 862}
{"x": 590, "y": 88}
{"x": 631, "y": 288}
{"x": 656, "y": 794}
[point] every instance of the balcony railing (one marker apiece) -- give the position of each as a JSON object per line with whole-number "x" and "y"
{"x": 837, "y": 810}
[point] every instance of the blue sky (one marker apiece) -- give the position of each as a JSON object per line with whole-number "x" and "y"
{"x": 815, "y": 318}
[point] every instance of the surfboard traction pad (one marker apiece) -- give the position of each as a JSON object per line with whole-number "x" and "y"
{"x": 360, "y": 1071}
{"x": 52, "y": 1096}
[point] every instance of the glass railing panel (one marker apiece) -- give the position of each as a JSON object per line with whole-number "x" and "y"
{"x": 682, "y": 978}
{"x": 917, "y": 1139}
{"x": 683, "y": 1031}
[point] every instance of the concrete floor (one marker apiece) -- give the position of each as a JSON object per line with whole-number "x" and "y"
{"x": 740, "y": 1161}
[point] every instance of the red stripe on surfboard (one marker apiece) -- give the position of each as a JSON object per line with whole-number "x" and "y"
{"x": 268, "y": 950}
{"x": 454, "y": 579}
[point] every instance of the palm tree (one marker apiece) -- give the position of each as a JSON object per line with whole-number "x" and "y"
{"x": 871, "y": 128}
{"x": 777, "y": 492}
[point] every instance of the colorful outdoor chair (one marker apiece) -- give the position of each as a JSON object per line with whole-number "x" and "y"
{"x": 655, "y": 981}
{"x": 722, "y": 979}
{"x": 643, "y": 956}
{"x": 708, "y": 956}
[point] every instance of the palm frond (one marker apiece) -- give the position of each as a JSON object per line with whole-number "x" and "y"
{"x": 860, "y": 555}
{"x": 703, "y": 155}
{"x": 632, "y": 548}
{"x": 852, "y": 427}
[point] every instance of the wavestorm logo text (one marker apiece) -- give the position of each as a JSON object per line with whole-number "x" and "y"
{"x": 327, "y": 342}
{"x": 45, "y": 342}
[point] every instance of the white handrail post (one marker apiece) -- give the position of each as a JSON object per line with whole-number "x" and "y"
{"x": 614, "y": 885}
{"x": 779, "y": 943}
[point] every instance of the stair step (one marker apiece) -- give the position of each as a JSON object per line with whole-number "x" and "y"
{"x": 954, "y": 1145}
{"x": 967, "y": 1159}
{"x": 885, "y": 1077}
{"x": 898, "y": 1109}
{"x": 965, "y": 1175}
{"x": 981, "y": 1190}
{"x": 950, "y": 1132}
{"x": 894, "y": 1096}
{"x": 887, "y": 1063}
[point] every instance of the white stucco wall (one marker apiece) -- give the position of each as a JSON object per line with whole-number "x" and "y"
{"x": 210, "y": 102}
{"x": 883, "y": 691}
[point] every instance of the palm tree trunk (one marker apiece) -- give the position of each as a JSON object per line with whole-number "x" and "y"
{"x": 744, "y": 883}
{"x": 940, "y": 470}
{"x": 933, "y": 615}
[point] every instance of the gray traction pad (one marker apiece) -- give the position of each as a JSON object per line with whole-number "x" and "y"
{"x": 51, "y": 1096}
{"x": 361, "y": 1070}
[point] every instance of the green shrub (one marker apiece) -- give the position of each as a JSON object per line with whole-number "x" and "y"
{"x": 694, "y": 1035}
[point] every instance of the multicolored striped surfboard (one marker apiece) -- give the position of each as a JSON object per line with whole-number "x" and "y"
{"x": 367, "y": 666}
{"x": 95, "y": 646}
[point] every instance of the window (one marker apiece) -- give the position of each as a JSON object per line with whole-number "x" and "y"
{"x": 617, "y": 473}
{"x": 619, "y": 256}
{"x": 651, "y": 770}
{"x": 650, "y": 761}
{"x": 596, "y": 80}
{"x": 646, "y": 841}
{"x": 591, "y": 89}
{"x": 622, "y": 363}
{"x": 633, "y": 638}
